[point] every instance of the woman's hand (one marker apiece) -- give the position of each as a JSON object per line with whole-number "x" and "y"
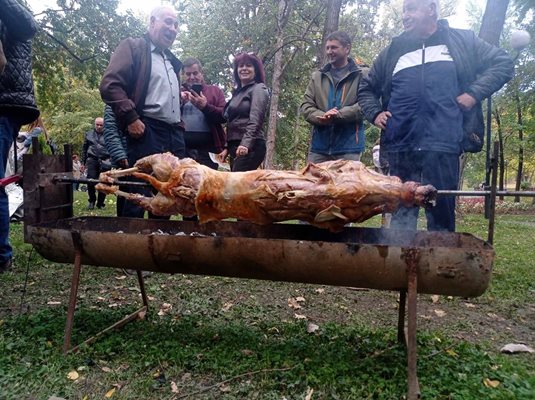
{"x": 242, "y": 151}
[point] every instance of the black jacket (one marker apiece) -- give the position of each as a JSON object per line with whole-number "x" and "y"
{"x": 17, "y": 27}
{"x": 482, "y": 69}
{"x": 94, "y": 147}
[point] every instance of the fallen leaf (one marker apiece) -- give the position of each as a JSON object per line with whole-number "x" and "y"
{"x": 110, "y": 393}
{"x": 310, "y": 391}
{"x": 73, "y": 375}
{"x": 491, "y": 383}
{"x": 300, "y": 316}
{"x": 227, "y": 306}
{"x": 470, "y": 305}
{"x": 320, "y": 290}
{"x": 435, "y": 298}
{"x": 273, "y": 330}
{"x": 120, "y": 278}
{"x": 292, "y": 303}
{"x": 106, "y": 369}
{"x": 440, "y": 313}
{"x": 174, "y": 387}
{"x": 451, "y": 353}
{"x": 54, "y": 303}
{"x": 141, "y": 315}
{"x": 300, "y": 299}
{"x": 311, "y": 327}
{"x": 224, "y": 388}
{"x": 247, "y": 352}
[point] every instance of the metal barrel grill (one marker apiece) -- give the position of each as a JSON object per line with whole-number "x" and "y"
{"x": 456, "y": 264}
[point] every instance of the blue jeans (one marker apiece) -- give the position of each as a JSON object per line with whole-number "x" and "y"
{"x": 317, "y": 158}
{"x": 9, "y": 129}
{"x": 429, "y": 168}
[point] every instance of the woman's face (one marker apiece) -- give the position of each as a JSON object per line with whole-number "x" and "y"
{"x": 246, "y": 73}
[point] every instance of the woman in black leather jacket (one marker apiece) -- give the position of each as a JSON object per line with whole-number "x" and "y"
{"x": 245, "y": 114}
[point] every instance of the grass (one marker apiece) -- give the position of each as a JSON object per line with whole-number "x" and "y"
{"x": 227, "y": 338}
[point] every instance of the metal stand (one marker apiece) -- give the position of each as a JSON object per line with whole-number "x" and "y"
{"x": 408, "y": 336}
{"x": 72, "y": 306}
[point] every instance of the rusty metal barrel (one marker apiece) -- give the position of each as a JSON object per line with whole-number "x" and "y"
{"x": 456, "y": 264}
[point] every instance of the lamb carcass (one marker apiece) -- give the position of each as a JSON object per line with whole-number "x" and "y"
{"x": 327, "y": 195}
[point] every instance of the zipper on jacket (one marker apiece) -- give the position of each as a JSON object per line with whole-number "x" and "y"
{"x": 422, "y": 83}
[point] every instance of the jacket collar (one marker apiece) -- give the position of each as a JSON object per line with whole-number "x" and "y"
{"x": 352, "y": 66}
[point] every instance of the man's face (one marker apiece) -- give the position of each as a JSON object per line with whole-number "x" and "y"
{"x": 336, "y": 53}
{"x": 163, "y": 29}
{"x": 193, "y": 75}
{"x": 417, "y": 15}
{"x": 99, "y": 125}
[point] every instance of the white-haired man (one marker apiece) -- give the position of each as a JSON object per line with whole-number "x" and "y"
{"x": 424, "y": 92}
{"x": 142, "y": 86}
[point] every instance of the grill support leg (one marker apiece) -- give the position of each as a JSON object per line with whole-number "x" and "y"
{"x": 75, "y": 281}
{"x": 412, "y": 377}
{"x": 72, "y": 301}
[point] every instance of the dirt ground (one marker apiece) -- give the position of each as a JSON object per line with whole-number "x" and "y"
{"x": 475, "y": 320}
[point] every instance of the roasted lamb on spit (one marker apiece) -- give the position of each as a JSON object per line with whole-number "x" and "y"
{"x": 327, "y": 195}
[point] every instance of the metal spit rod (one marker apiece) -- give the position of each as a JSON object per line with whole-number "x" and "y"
{"x": 485, "y": 193}
{"x": 439, "y": 192}
{"x": 65, "y": 179}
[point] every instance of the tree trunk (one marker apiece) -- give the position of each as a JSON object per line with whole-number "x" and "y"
{"x": 519, "y": 171}
{"x": 493, "y": 21}
{"x": 282, "y": 18}
{"x": 332, "y": 19}
{"x": 502, "y": 148}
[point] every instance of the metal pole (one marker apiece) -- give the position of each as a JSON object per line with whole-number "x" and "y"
{"x": 487, "y": 159}
{"x": 492, "y": 197}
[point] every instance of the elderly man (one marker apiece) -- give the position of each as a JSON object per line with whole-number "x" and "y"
{"x": 96, "y": 159}
{"x": 330, "y": 104}
{"x": 17, "y": 101}
{"x": 141, "y": 84}
{"x": 202, "y": 113}
{"x": 424, "y": 92}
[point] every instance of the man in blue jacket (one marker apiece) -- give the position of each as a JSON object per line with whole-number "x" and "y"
{"x": 424, "y": 92}
{"x": 330, "y": 104}
{"x": 17, "y": 100}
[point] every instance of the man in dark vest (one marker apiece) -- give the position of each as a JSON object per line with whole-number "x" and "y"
{"x": 17, "y": 101}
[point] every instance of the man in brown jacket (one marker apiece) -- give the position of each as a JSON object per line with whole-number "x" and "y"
{"x": 142, "y": 86}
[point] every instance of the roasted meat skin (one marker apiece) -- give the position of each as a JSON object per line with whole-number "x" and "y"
{"x": 328, "y": 195}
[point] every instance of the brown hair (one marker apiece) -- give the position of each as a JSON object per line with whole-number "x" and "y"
{"x": 242, "y": 58}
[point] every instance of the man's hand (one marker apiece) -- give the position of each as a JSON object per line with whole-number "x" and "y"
{"x": 381, "y": 119}
{"x": 123, "y": 163}
{"x": 136, "y": 129}
{"x": 185, "y": 96}
{"x": 466, "y": 102}
{"x": 222, "y": 156}
{"x": 198, "y": 100}
{"x": 328, "y": 117}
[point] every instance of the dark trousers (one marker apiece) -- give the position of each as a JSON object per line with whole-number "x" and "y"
{"x": 427, "y": 167}
{"x": 159, "y": 137}
{"x": 93, "y": 171}
{"x": 251, "y": 160}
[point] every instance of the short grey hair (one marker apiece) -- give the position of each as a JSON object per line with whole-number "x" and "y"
{"x": 158, "y": 11}
{"x": 436, "y": 3}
